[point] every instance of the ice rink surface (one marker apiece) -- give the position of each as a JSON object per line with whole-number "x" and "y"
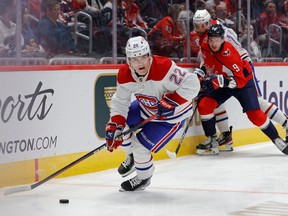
{"x": 251, "y": 180}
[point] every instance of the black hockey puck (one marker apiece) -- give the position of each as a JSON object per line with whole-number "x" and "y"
{"x": 64, "y": 201}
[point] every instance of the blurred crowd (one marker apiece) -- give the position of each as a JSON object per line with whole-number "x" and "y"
{"x": 50, "y": 27}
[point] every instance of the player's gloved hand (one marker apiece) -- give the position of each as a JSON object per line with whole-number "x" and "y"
{"x": 200, "y": 74}
{"x": 166, "y": 107}
{"x": 213, "y": 83}
{"x": 113, "y": 136}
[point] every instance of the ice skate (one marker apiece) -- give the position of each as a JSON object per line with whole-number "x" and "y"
{"x": 225, "y": 141}
{"x": 135, "y": 184}
{"x": 281, "y": 145}
{"x": 127, "y": 166}
{"x": 209, "y": 147}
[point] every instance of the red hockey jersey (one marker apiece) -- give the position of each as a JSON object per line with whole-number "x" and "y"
{"x": 227, "y": 61}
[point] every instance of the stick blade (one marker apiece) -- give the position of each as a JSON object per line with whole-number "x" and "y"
{"x": 17, "y": 189}
{"x": 172, "y": 155}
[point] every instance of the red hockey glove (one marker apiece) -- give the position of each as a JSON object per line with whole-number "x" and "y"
{"x": 213, "y": 83}
{"x": 166, "y": 107}
{"x": 113, "y": 136}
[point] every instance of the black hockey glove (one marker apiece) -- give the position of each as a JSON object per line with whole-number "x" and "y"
{"x": 201, "y": 74}
{"x": 213, "y": 83}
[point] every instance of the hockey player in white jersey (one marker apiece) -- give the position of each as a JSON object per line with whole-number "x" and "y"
{"x": 202, "y": 21}
{"x": 160, "y": 87}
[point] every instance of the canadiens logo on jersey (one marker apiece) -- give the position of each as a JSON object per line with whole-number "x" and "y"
{"x": 226, "y": 52}
{"x": 149, "y": 102}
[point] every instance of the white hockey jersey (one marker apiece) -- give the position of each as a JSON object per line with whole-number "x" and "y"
{"x": 164, "y": 76}
{"x": 231, "y": 36}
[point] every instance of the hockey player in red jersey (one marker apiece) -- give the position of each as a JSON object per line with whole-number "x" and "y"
{"x": 159, "y": 86}
{"x": 133, "y": 17}
{"x": 230, "y": 76}
{"x": 202, "y": 21}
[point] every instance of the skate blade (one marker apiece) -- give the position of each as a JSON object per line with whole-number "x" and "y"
{"x": 139, "y": 189}
{"x": 226, "y": 148}
{"x": 204, "y": 152}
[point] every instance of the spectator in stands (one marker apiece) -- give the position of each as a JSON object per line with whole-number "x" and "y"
{"x": 107, "y": 13}
{"x": 199, "y": 5}
{"x": 153, "y": 9}
{"x": 8, "y": 27}
{"x": 34, "y": 8}
{"x": 122, "y": 28}
{"x": 98, "y": 3}
{"x": 133, "y": 17}
{"x": 128, "y": 16}
{"x": 82, "y": 5}
{"x": 67, "y": 12}
{"x": 257, "y": 7}
{"x": 31, "y": 44}
{"x": 194, "y": 45}
{"x": 166, "y": 36}
{"x": 222, "y": 16}
{"x": 212, "y": 12}
{"x": 52, "y": 33}
{"x": 231, "y": 6}
{"x": 235, "y": 21}
{"x": 282, "y": 9}
{"x": 255, "y": 51}
{"x": 268, "y": 17}
{"x": 284, "y": 19}
{"x": 213, "y": 3}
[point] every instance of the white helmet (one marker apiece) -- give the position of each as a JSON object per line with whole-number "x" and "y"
{"x": 137, "y": 46}
{"x": 201, "y": 16}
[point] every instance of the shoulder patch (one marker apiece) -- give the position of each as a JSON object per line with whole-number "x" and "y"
{"x": 226, "y": 52}
{"x": 159, "y": 68}
{"x": 124, "y": 75}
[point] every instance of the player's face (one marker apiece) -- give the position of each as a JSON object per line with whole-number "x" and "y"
{"x": 140, "y": 64}
{"x": 215, "y": 43}
{"x": 201, "y": 28}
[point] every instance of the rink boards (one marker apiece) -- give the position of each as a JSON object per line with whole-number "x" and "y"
{"x": 52, "y": 115}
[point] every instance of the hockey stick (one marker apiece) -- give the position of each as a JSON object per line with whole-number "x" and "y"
{"x": 32, "y": 186}
{"x": 173, "y": 155}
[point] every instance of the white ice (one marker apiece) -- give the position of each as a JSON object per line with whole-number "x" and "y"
{"x": 251, "y": 180}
